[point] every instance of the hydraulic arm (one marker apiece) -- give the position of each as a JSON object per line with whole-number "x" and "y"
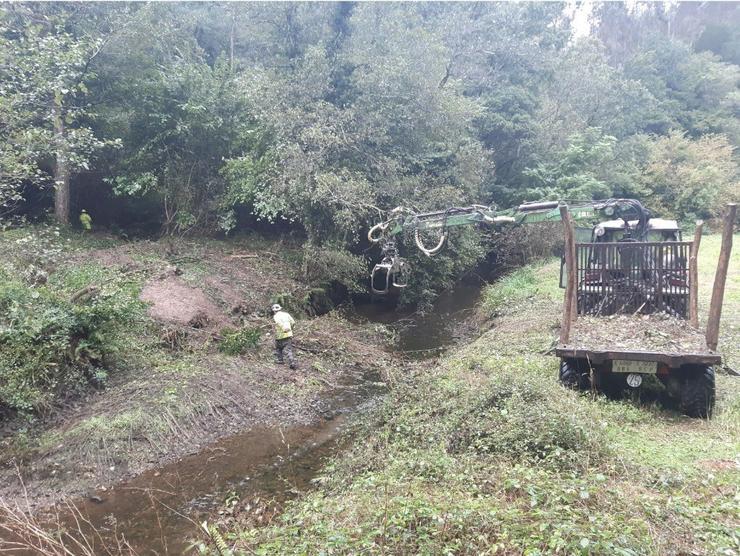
{"x": 392, "y": 269}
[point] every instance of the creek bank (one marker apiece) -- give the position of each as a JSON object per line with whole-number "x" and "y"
{"x": 171, "y": 391}
{"x": 260, "y": 469}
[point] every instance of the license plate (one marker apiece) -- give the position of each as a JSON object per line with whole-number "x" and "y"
{"x": 645, "y": 367}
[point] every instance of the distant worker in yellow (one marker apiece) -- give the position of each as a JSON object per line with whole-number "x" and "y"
{"x": 283, "y": 335}
{"x": 85, "y": 220}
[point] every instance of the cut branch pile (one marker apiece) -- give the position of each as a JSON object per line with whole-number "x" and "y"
{"x": 656, "y": 332}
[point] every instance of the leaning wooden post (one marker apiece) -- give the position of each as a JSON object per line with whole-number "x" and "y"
{"x": 574, "y": 274}
{"x": 718, "y": 291}
{"x": 570, "y": 268}
{"x": 694, "y": 276}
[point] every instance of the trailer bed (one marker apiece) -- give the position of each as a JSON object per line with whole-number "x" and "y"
{"x": 657, "y": 337}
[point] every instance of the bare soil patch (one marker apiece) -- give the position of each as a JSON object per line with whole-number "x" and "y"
{"x": 112, "y": 257}
{"x": 174, "y": 301}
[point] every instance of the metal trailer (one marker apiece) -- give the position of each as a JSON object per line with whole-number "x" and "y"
{"x": 627, "y": 277}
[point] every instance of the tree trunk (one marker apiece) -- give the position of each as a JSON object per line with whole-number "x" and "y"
{"x": 61, "y": 168}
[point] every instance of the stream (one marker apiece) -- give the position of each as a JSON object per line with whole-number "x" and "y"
{"x": 158, "y": 511}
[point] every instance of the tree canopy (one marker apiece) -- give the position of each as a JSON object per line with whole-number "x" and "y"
{"x": 318, "y": 116}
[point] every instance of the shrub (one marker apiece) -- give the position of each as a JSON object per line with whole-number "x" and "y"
{"x": 52, "y": 343}
{"x": 522, "y": 245}
{"x": 236, "y": 342}
{"x": 323, "y": 265}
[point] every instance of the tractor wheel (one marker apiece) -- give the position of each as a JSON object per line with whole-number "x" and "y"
{"x": 697, "y": 392}
{"x": 574, "y": 375}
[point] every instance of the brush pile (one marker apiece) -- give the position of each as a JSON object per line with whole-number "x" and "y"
{"x": 655, "y": 332}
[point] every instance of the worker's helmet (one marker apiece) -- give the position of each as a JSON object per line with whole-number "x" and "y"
{"x": 276, "y": 307}
{"x": 83, "y": 210}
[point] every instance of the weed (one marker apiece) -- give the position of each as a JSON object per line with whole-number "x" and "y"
{"x": 516, "y": 288}
{"x": 54, "y": 341}
{"x": 236, "y": 342}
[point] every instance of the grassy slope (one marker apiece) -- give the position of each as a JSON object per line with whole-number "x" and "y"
{"x": 488, "y": 454}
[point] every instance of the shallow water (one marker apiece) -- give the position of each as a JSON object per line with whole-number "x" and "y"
{"x": 158, "y": 511}
{"x": 424, "y": 335}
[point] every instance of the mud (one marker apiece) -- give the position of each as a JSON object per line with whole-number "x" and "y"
{"x": 171, "y": 300}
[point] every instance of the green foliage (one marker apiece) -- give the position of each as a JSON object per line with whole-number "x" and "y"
{"x": 329, "y": 264}
{"x": 53, "y": 344}
{"x": 696, "y": 92}
{"x": 342, "y": 144}
{"x": 691, "y": 178}
{"x": 429, "y": 275}
{"x": 321, "y": 117}
{"x": 580, "y": 170}
{"x": 236, "y": 342}
{"x": 44, "y": 71}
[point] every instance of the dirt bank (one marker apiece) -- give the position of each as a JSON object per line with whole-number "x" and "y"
{"x": 172, "y": 391}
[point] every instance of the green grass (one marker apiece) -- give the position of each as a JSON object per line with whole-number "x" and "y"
{"x": 236, "y": 342}
{"x": 487, "y": 454}
{"x": 519, "y": 286}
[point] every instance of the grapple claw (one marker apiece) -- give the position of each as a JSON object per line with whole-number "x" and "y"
{"x": 391, "y": 271}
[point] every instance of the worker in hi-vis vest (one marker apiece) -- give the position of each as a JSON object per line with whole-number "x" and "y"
{"x": 85, "y": 221}
{"x": 283, "y": 335}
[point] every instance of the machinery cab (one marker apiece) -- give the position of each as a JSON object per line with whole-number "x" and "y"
{"x": 659, "y": 230}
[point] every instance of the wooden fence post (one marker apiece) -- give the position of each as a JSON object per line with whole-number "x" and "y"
{"x": 574, "y": 274}
{"x": 694, "y": 276}
{"x": 718, "y": 291}
{"x": 570, "y": 268}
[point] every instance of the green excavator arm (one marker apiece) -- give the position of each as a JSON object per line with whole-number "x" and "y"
{"x": 393, "y": 268}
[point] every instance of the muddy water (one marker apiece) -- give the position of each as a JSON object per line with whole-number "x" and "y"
{"x": 421, "y": 335}
{"x": 158, "y": 511}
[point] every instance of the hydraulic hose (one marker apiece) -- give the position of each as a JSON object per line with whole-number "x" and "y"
{"x": 434, "y": 250}
{"x": 371, "y": 235}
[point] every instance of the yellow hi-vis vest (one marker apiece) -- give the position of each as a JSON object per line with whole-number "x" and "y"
{"x": 283, "y": 325}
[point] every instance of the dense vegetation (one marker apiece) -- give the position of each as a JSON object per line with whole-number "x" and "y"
{"x": 319, "y": 116}
{"x": 315, "y": 118}
{"x": 61, "y": 325}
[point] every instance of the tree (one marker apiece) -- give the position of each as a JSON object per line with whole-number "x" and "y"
{"x": 697, "y": 92}
{"x": 579, "y": 170}
{"x": 176, "y": 113}
{"x": 691, "y": 178}
{"x": 385, "y": 134}
{"x": 45, "y": 72}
